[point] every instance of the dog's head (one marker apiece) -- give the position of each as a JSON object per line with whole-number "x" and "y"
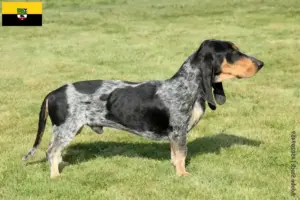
{"x": 218, "y": 61}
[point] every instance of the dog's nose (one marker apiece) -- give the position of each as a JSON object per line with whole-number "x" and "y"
{"x": 259, "y": 64}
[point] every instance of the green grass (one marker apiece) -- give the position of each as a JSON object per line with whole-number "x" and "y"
{"x": 240, "y": 151}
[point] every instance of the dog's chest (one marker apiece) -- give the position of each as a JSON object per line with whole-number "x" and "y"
{"x": 196, "y": 115}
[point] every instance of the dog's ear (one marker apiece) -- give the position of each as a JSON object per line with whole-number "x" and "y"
{"x": 207, "y": 78}
{"x": 219, "y": 93}
{"x": 204, "y": 60}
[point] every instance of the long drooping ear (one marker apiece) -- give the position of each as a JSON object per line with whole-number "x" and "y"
{"x": 207, "y": 77}
{"x": 203, "y": 60}
{"x": 219, "y": 93}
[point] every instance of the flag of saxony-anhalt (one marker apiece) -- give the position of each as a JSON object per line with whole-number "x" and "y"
{"x": 22, "y": 14}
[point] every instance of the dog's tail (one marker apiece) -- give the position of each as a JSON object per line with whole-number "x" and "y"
{"x": 41, "y": 128}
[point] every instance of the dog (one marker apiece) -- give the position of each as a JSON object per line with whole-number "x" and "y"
{"x": 155, "y": 109}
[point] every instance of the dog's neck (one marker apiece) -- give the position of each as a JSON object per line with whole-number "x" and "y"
{"x": 187, "y": 79}
{"x": 188, "y": 73}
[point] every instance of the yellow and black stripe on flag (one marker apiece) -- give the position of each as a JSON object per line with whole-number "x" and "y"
{"x": 22, "y": 14}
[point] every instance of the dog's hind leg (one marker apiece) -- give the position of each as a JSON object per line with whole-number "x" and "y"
{"x": 62, "y": 136}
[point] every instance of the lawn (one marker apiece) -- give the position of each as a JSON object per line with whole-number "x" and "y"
{"x": 239, "y": 151}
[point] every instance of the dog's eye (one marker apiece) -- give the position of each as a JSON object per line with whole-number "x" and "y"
{"x": 233, "y": 56}
{"x": 229, "y": 57}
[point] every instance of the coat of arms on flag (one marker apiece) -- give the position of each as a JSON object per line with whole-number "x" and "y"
{"x": 22, "y": 13}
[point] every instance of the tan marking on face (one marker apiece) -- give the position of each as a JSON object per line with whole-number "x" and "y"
{"x": 223, "y": 77}
{"x": 196, "y": 115}
{"x": 243, "y": 68}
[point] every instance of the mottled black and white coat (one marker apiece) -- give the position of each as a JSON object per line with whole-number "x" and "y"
{"x": 157, "y": 109}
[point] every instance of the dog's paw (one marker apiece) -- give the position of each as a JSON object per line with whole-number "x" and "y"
{"x": 183, "y": 173}
{"x": 54, "y": 176}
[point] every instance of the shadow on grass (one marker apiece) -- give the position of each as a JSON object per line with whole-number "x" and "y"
{"x": 77, "y": 153}
{"x": 36, "y": 161}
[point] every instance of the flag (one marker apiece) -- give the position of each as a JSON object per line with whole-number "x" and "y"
{"x": 22, "y": 14}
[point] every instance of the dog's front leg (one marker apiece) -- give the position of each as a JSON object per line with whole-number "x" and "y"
{"x": 178, "y": 152}
{"x": 172, "y": 154}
